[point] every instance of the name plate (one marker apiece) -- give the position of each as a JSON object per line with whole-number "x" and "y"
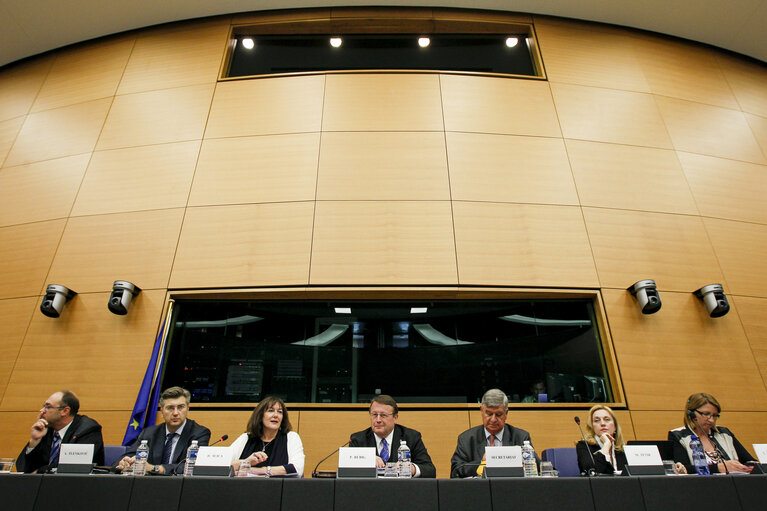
{"x": 761, "y": 453}
{"x": 643, "y": 460}
{"x": 213, "y": 457}
{"x": 357, "y": 462}
{"x": 503, "y": 456}
{"x": 76, "y": 454}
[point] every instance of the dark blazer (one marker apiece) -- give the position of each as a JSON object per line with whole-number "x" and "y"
{"x": 83, "y": 430}
{"x": 418, "y": 453}
{"x": 156, "y": 437}
{"x": 602, "y": 465}
{"x": 471, "y": 448}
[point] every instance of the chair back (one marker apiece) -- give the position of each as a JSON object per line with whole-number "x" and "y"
{"x": 113, "y": 453}
{"x": 564, "y": 459}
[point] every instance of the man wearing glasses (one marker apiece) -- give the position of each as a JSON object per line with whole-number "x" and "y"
{"x": 59, "y": 423}
{"x": 169, "y": 441}
{"x": 385, "y": 434}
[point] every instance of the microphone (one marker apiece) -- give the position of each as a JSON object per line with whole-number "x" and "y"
{"x": 317, "y": 474}
{"x": 224, "y": 437}
{"x": 593, "y": 470}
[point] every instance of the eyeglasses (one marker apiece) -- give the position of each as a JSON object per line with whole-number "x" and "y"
{"x": 707, "y": 415}
{"x": 373, "y": 415}
{"x": 51, "y": 407}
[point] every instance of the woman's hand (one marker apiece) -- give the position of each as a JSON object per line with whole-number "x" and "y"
{"x": 735, "y": 466}
{"x": 680, "y": 468}
{"x": 257, "y": 457}
{"x": 607, "y": 444}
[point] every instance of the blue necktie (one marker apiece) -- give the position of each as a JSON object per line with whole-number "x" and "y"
{"x": 168, "y": 448}
{"x": 384, "y": 450}
{"x": 55, "y": 448}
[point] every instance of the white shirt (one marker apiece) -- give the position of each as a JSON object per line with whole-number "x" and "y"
{"x": 174, "y": 442}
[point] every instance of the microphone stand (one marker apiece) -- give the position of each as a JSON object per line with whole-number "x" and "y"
{"x": 320, "y": 474}
{"x": 592, "y": 472}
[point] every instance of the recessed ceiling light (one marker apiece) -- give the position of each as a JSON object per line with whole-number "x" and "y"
{"x": 248, "y": 43}
{"x": 343, "y": 310}
{"x": 423, "y": 42}
{"x": 418, "y": 310}
{"x": 511, "y": 42}
{"x": 336, "y": 42}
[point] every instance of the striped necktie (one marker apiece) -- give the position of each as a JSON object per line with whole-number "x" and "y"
{"x": 384, "y": 450}
{"x": 168, "y": 448}
{"x": 55, "y": 448}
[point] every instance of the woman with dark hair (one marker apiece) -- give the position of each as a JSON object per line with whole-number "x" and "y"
{"x": 723, "y": 451}
{"x": 269, "y": 444}
{"x": 604, "y": 439}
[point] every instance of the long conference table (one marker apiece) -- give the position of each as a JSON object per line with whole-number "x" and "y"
{"x": 119, "y": 493}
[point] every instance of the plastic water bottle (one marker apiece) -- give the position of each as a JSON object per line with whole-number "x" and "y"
{"x": 528, "y": 460}
{"x": 403, "y": 458}
{"x": 139, "y": 466}
{"x": 698, "y": 456}
{"x": 191, "y": 458}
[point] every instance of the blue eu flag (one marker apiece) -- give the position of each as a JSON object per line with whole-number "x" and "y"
{"x": 144, "y": 411}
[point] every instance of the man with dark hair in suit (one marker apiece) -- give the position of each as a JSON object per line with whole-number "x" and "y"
{"x": 59, "y": 423}
{"x": 168, "y": 442}
{"x": 469, "y": 457}
{"x": 385, "y": 434}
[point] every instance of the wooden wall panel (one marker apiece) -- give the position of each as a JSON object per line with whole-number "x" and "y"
{"x": 383, "y": 166}
{"x": 439, "y": 430}
{"x": 40, "y": 191}
{"x": 754, "y": 319}
{"x": 19, "y": 85}
{"x": 605, "y": 115}
{"x": 498, "y": 105}
{"x": 26, "y": 252}
{"x": 84, "y": 73}
{"x": 176, "y": 55}
{"x": 589, "y": 55}
{"x": 249, "y": 245}
{"x": 97, "y": 250}
{"x": 382, "y": 102}
{"x": 138, "y": 178}
{"x": 726, "y": 188}
{"x": 502, "y": 168}
{"x": 710, "y": 130}
{"x": 673, "y": 250}
{"x": 629, "y": 177}
{"x": 758, "y": 127}
{"x": 245, "y": 170}
{"x": 59, "y": 132}
{"x": 8, "y": 131}
{"x": 383, "y": 243}
{"x": 748, "y": 427}
{"x": 740, "y": 248}
{"x": 157, "y": 117}
{"x": 748, "y": 81}
{"x": 15, "y": 315}
{"x": 229, "y": 422}
{"x": 284, "y": 105}
{"x": 322, "y": 431}
{"x": 98, "y": 355}
{"x": 522, "y": 245}
{"x": 682, "y": 70}
{"x": 669, "y": 355}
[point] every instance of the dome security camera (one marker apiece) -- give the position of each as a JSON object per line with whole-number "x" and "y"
{"x": 646, "y": 293}
{"x": 55, "y": 299}
{"x": 121, "y": 297}
{"x": 714, "y": 299}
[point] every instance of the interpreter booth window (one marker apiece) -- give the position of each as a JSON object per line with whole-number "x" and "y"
{"x": 537, "y": 351}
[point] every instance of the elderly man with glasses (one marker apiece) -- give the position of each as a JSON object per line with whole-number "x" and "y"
{"x": 385, "y": 434}
{"x": 59, "y": 423}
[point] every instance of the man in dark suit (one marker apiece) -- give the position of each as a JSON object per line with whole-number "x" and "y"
{"x": 385, "y": 434}
{"x": 469, "y": 457}
{"x": 169, "y": 441}
{"x": 59, "y": 423}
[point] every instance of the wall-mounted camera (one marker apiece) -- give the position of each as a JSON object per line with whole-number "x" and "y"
{"x": 56, "y": 297}
{"x": 121, "y": 297}
{"x": 646, "y": 293}
{"x": 714, "y": 299}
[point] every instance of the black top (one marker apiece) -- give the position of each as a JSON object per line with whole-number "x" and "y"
{"x": 276, "y": 450}
{"x": 82, "y": 430}
{"x": 602, "y": 465}
{"x": 418, "y": 453}
{"x": 723, "y": 440}
{"x": 156, "y": 439}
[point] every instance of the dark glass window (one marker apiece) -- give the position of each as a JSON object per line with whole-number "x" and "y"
{"x": 481, "y": 53}
{"x": 237, "y": 351}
